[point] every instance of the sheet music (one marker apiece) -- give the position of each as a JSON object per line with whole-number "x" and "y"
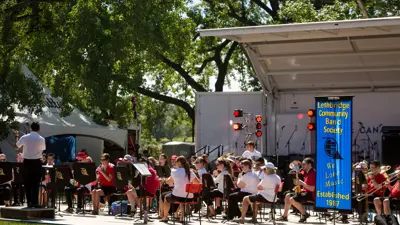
{"x": 142, "y": 168}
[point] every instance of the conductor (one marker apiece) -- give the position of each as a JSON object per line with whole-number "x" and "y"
{"x": 34, "y": 145}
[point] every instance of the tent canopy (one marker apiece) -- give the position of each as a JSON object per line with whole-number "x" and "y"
{"x": 77, "y": 123}
{"x": 310, "y": 57}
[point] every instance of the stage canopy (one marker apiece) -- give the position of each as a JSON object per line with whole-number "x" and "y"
{"x": 322, "y": 56}
{"x": 77, "y": 123}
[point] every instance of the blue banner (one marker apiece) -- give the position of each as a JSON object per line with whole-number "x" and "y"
{"x": 333, "y": 149}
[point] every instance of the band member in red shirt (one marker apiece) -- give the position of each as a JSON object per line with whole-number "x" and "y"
{"x": 376, "y": 185}
{"x": 149, "y": 188}
{"x": 394, "y": 195}
{"x": 307, "y": 193}
{"x": 105, "y": 176}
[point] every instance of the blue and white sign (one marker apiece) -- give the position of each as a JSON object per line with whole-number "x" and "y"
{"x": 333, "y": 150}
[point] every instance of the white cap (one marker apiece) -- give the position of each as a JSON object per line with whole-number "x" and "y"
{"x": 269, "y": 165}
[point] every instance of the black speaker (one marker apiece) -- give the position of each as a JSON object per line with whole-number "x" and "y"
{"x": 391, "y": 130}
{"x": 391, "y": 150}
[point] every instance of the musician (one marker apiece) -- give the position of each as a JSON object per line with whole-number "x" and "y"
{"x": 201, "y": 163}
{"x": 225, "y": 168}
{"x": 5, "y": 188}
{"x": 173, "y": 160}
{"x": 44, "y": 190}
{"x": 394, "y": 196}
{"x": 180, "y": 176}
{"x": 232, "y": 161}
{"x": 259, "y": 163}
{"x": 18, "y": 188}
{"x": 251, "y": 153}
{"x": 149, "y": 189}
{"x": 163, "y": 161}
{"x": 247, "y": 183}
{"x": 105, "y": 176}
{"x": 306, "y": 195}
{"x": 34, "y": 145}
{"x": 266, "y": 189}
{"x": 78, "y": 189}
{"x": 375, "y": 185}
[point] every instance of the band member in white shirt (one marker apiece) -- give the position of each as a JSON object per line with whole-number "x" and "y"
{"x": 266, "y": 189}
{"x": 180, "y": 176}
{"x": 223, "y": 167}
{"x": 251, "y": 153}
{"x": 247, "y": 182}
{"x": 34, "y": 145}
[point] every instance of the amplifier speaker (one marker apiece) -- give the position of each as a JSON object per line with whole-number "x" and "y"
{"x": 391, "y": 150}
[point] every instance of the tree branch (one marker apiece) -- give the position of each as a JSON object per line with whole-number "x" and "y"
{"x": 230, "y": 53}
{"x": 170, "y": 100}
{"x": 242, "y": 19}
{"x": 262, "y": 5}
{"x": 360, "y": 4}
{"x": 186, "y": 76}
{"x": 204, "y": 64}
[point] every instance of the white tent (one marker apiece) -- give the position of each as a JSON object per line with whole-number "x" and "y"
{"x": 77, "y": 123}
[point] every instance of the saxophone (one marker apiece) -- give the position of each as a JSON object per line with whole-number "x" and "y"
{"x": 295, "y": 166}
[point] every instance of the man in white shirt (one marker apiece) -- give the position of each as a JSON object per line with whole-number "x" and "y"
{"x": 251, "y": 153}
{"x": 34, "y": 145}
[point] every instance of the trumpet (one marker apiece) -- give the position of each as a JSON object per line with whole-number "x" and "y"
{"x": 391, "y": 178}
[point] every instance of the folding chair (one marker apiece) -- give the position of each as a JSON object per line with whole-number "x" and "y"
{"x": 273, "y": 204}
{"x": 190, "y": 189}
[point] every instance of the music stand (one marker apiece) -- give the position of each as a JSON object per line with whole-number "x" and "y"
{"x": 121, "y": 174}
{"x": 84, "y": 173}
{"x": 5, "y": 172}
{"x": 63, "y": 175}
{"x": 142, "y": 171}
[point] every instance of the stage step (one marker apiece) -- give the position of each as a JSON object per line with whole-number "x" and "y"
{"x": 23, "y": 213}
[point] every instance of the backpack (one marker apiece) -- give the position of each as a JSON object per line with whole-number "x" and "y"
{"x": 118, "y": 207}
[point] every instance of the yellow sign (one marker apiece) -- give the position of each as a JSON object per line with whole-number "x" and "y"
{"x": 119, "y": 177}
{"x": 1, "y": 172}
{"x": 59, "y": 175}
{"x": 84, "y": 172}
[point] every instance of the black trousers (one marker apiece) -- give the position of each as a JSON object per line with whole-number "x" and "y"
{"x": 80, "y": 191}
{"x": 32, "y": 176}
{"x": 233, "y": 203}
{"x": 5, "y": 191}
{"x": 18, "y": 192}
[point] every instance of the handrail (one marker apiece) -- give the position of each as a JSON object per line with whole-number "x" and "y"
{"x": 204, "y": 148}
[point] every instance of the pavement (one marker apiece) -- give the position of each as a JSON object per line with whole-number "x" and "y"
{"x": 103, "y": 218}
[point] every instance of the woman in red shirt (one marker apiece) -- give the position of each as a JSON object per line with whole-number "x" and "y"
{"x": 149, "y": 189}
{"x": 105, "y": 176}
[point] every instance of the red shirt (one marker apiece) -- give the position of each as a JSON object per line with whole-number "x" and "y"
{"x": 379, "y": 178}
{"x": 310, "y": 179}
{"x": 152, "y": 182}
{"x": 109, "y": 171}
{"x": 395, "y": 192}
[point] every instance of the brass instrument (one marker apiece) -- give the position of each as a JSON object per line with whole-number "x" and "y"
{"x": 295, "y": 166}
{"x": 391, "y": 178}
{"x": 227, "y": 155}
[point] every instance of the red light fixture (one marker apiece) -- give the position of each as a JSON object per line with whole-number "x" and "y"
{"x": 258, "y": 126}
{"x": 258, "y": 119}
{"x": 238, "y": 113}
{"x": 237, "y": 126}
{"x": 311, "y": 126}
{"x": 311, "y": 113}
{"x": 258, "y": 133}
